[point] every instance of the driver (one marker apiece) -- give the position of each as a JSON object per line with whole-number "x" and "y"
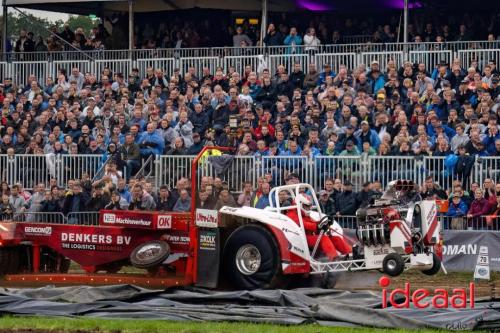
{"x": 332, "y": 241}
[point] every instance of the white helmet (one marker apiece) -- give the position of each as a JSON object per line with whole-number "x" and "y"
{"x": 304, "y": 202}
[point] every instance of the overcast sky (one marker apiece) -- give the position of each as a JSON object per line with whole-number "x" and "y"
{"x": 51, "y": 16}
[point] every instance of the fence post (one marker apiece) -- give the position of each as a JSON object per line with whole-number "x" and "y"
{"x": 365, "y": 167}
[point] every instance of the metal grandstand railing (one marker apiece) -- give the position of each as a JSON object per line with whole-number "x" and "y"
{"x": 361, "y": 44}
{"x": 42, "y": 65}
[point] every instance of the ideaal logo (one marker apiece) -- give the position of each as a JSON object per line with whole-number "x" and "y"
{"x": 423, "y": 298}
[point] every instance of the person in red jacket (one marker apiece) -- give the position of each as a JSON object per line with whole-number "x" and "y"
{"x": 331, "y": 242}
{"x": 478, "y": 208}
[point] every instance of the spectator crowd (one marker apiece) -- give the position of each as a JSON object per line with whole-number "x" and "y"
{"x": 374, "y": 110}
{"x": 296, "y": 30}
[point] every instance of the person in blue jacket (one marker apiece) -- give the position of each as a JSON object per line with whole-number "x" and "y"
{"x": 366, "y": 134}
{"x": 263, "y": 201}
{"x": 457, "y": 207}
{"x": 489, "y": 140}
{"x": 150, "y": 142}
{"x": 293, "y": 40}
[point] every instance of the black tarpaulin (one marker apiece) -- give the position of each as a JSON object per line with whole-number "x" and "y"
{"x": 290, "y": 307}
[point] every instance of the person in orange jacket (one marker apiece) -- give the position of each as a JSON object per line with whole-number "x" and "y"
{"x": 332, "y": 240}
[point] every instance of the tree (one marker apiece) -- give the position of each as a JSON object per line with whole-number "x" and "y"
{"x": 17, "y": 22}
{"x": 79, "y": 21}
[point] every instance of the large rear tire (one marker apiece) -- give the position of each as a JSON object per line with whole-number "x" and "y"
{"x": 436, "y": 266}
{"x": 251, "y": 258}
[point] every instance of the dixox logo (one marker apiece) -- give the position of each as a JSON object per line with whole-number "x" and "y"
{"x": 423, "y": 298}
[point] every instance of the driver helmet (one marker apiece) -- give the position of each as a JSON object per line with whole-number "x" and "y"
{"x": 304, "y": 202}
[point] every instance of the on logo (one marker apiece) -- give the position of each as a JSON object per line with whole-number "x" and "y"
{"x": 164, "y": 222}
{"x": 109, "y": 218}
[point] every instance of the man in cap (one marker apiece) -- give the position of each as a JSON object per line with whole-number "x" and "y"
{"x": 346, "y": 203}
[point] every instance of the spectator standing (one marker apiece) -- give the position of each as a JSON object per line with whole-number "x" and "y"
{"x": 24, "y": 43}
{"x": 17, "y": 201}
{"x": 6, "y": 209}
{"x": 263, "y": 201}
{"x": 479, "y": 208}
{"x": 75, "y": 201}
{"x": 273, "y": 37}
{"x": 131, "y": 155}
{"x": 346, "y": 203}
{"x": 293, "y": 41}
{"x": 311, "y": 42}
{"x": 240, "y": 36}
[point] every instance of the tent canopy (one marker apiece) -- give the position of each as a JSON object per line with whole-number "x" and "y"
{"x": 144, "y": 6}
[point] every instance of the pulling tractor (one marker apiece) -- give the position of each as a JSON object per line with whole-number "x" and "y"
{"x": 248, "y": 248}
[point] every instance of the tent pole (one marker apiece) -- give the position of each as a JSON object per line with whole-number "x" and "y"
{"x": 405, "y": 22}
{"x": 263, "y": 22}
{"x": 4, "y": 27}
{"x": 131, "y": 24}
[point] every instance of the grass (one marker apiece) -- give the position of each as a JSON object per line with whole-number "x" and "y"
{"x": 153, "y": 326}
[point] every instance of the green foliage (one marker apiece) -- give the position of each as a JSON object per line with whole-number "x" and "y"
{"x": 40, "y": 26}
{"x": 17, "y": 22}
{"x": 79, "y": 21}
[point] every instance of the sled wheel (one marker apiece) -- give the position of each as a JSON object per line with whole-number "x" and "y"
{"x": 150, "y": 254}
{"x": 4, "y": 261}
{"x": 393, "y": 264}
{"x": 64, "y": 265}
{"x": 251, "y": 258}
{"x": 436, "y": 266}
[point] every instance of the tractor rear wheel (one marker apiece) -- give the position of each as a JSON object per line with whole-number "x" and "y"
{"x": 251, "y": 259}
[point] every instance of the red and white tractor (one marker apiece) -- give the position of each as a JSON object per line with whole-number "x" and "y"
{"x": 245, "y": 247}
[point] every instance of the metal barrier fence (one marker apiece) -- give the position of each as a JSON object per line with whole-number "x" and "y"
{"x": 315, "y": 171}
{"x": 21, "y": 70}
{"x": 34, "y": 217}
{"x": 447, "y": 222}
{"x": 362, "y": 45}
{"x": 30, "y": 170}
{"x": 77, "y": 218}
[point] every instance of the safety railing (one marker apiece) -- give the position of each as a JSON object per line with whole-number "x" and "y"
{"x": 30, "y": 170}
{"x": 349, "y": 55}
{"x": 356, "y": 44}
{"x": 479, "y": 223}
{"x": 77, "y": 218}
{"x": 34, "y": 217}
{"x": 83, "y": 218}
{"x": 486, "y": 222}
